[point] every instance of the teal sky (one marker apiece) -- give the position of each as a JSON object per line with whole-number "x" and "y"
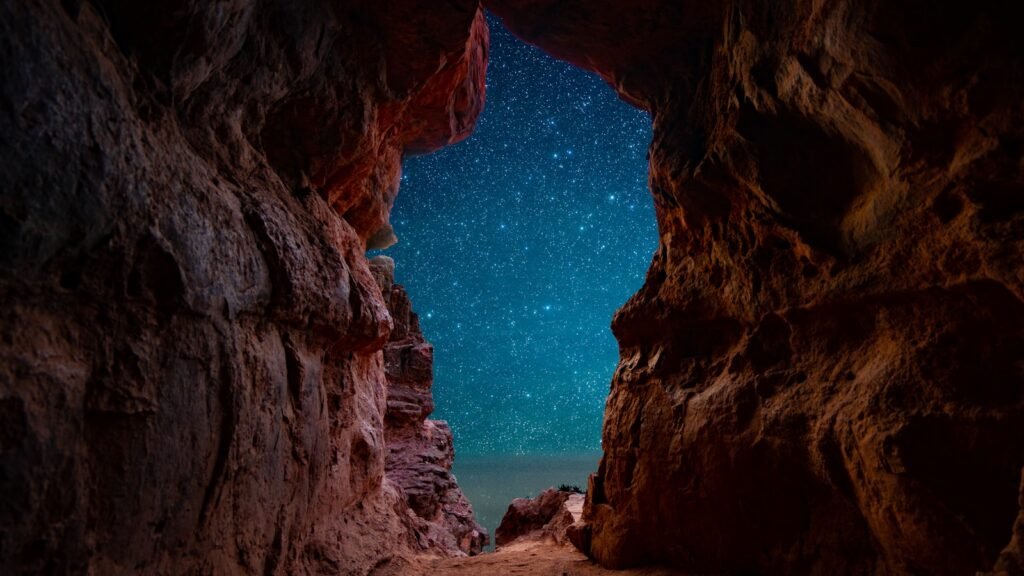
{"x": 517, "y": 246}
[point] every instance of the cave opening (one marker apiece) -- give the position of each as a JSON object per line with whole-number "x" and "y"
{"x": 516, "y": 247}
{"x": 202, "y": 373}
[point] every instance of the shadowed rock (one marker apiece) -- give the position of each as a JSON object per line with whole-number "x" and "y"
{"x": 191, "y": 370}
{"x": 822, "y": 372}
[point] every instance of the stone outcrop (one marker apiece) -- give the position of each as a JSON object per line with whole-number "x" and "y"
{"x": 420, "y": 451}
{"x": 547, "y": 516}
{"x": 821, "y": 375}
{"x": 191, "y": 370}
{"x": 824, "y": 370}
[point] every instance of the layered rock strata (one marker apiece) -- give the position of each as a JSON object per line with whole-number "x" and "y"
{"x": 824, "y": 370}
{"x": 191, "y": 370}
{"x": 420, "y": 451}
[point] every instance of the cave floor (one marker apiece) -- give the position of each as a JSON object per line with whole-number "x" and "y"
{"x": 530, "y": 559}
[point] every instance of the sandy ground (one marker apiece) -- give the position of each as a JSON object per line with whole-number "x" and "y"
{"x": 530, "y": 559}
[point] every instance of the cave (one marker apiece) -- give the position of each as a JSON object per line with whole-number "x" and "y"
{"x": 202, "y": 372}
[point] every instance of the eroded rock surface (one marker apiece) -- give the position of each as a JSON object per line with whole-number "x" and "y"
{"x": 420, "y": 451}
{"x": 191, "y": 370}
{"x": 544, "y": 517}
{"x": 824, "y": 371}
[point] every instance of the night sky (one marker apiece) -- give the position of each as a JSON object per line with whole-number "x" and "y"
{"x": 517, "y": 246}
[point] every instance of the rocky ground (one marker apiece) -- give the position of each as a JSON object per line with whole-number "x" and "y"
{"x": 535, "y": 558}
{"x": 532, "y": 541}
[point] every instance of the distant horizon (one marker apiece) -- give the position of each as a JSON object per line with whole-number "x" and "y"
{"x": 465, "y": 454}
{"x": 490, "y": 483}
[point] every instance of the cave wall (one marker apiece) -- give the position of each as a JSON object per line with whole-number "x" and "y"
{"x": 821, "y": 374}
{"x": 420, "y": 451}
{"x": 824, "y": 370}
{"x": 191, "y": 367}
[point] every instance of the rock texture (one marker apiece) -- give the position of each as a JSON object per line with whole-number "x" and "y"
{"x": 1011, "y": 561}
{"x": 821, "y": 375}
{"x": 191, "y": 370}
{"x": 545, "y": 517}
{"x": 824, "y": 371}
{"x": 420, "y": 451}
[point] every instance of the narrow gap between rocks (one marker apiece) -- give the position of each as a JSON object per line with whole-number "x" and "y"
{"x": 516, "y": 247}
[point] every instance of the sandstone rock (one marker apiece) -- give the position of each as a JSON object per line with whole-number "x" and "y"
{"x": 191, "y": 370}
{"x": 546, "y": 517}
{"x": 420, "y": 451}
{"x": 822, "y": 373}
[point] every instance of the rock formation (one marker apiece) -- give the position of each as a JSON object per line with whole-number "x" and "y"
{"x": 191, "y": 370}
{"x": 420, "y": 451}
{"x": 824, "y": 371}
{"x": 548, "y": 516}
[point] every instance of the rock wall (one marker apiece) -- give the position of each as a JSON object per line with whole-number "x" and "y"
{"x": 824, "y": 370}
{"x": 191, "y": 368}
{"x": 420, "y": 451}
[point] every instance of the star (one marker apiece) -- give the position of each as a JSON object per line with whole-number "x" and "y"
{"x": 519, "y": 244}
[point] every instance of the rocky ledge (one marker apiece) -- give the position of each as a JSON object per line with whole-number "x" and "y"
{"x": 420, "y": 451}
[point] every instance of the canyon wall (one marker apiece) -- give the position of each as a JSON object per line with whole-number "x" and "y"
{"x": 191, "y": 369}
{"x": 824, "y": 370}
{"x": 823, "y": 373}
{"x": 420, "y": 451}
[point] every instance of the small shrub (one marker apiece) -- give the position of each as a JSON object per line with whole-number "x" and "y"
{"x": 572, "y": 488}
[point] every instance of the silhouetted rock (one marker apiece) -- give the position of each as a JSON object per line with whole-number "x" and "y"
{"x": 822, "y": 372}
{"x": 1011, "y": 561}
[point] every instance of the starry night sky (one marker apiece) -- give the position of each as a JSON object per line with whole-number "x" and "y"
{"x": 517, "y": 246}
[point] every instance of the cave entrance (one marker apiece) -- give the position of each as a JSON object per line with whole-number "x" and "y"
{"x": 516, "y": 247}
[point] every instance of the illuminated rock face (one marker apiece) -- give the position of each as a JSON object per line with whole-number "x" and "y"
{"x": 191, "y": 367}
{"x": 420, "y": 451}
{"x": 824, "y": 371}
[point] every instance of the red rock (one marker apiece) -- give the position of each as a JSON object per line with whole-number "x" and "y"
{"x": 821, "y": 373}
{"x": 420, "y": 451}
{"x": 546, "y": 517}
{"x": 192, "y": 378}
